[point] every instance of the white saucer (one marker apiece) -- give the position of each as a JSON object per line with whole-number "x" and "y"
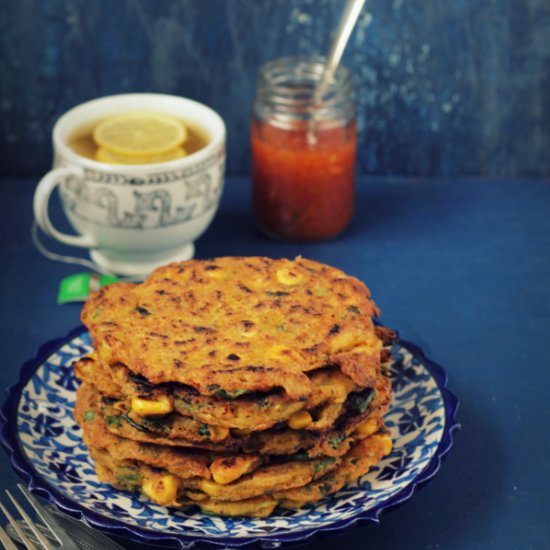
{"x": 140, "y": 266}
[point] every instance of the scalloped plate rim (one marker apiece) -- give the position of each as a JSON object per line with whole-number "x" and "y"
{"x": 112, "y": 526}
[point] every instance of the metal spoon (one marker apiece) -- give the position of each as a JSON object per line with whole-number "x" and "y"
{"x": 343, "y": 32}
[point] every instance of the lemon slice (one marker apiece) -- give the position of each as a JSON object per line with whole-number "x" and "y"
{"x": 104, "y": 155}
{"x": 140, "y": 134}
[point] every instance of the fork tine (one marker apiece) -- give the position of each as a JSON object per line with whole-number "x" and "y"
{"x": 40, "y": 512}
{"x": 28, "y": 543}
{"x": 64, "y": 540}
{"x": 6, "y": 541}
{"x": 31, "y": 525}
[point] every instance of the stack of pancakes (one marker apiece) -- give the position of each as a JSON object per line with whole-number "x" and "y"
{"x": 234, "y": 384}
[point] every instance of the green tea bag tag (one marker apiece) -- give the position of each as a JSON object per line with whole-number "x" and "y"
{"x": 77, "y": 288}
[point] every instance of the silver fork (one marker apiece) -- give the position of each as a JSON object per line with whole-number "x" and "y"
{"x": 58, "y": 533}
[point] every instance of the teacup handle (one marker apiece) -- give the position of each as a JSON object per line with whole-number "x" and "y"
{"x": 42, "y": 198}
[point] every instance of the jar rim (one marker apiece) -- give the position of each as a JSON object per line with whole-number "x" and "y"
{"x": 291, "y": 80}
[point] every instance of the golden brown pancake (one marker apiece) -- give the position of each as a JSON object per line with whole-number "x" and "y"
{"x": 235, "y": 384}
{"x": 178, "y": 431}
{"x": 290, "y": 484}
{"x": 329, "y": 391}
{"x": 237, "y": 325}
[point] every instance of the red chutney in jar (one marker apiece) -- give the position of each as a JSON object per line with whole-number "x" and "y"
{"x": 303, "y": 190}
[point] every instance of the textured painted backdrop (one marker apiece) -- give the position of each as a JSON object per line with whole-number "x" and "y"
{"x": 444, "y": 87}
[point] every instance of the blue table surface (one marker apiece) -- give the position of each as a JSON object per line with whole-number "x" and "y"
{"x": 460, "y": 267}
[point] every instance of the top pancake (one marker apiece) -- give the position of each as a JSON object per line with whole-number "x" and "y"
{"x": 236, "y": 325}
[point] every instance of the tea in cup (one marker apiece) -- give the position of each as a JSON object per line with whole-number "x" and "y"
{"x": 140, "y": 177}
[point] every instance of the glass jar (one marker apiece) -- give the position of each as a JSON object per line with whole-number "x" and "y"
{"x": 303, "y": 150}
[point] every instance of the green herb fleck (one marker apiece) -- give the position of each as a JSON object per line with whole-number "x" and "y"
{"x": 89, "y": 416}
{"x": 113, "y": 421}
{"x": 129, "y": 477}
{"x": 322, "y": 464}
{"x": 204, "y": 430}
{"x": 360, "y": 401}
{"x": 336, "y": 440}
{"x": 183, "y": 403}
{"x": 225, "y": 394}
{"x": 97, "y": 313}
{"x": 283, "y": 328}
{"x": 354, "y": 309}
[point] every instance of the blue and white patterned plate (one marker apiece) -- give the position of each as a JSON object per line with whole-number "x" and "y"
{"x": 45, "y": 447}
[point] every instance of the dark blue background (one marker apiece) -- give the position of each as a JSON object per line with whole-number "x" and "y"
{"x": 460, "y": 267}
{"x": 444, "y": 87}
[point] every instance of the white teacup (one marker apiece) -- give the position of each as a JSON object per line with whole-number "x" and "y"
{"x": 134, "y": 218}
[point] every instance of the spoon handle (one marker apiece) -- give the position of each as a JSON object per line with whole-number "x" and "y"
{"x": 345, "y": 27}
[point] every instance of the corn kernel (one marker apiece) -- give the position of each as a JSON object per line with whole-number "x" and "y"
{"x": 104, "y": 353}
{"x": 225, "y": 470}
{"x": 369, "y": 347}
{"x": 211, "y": 487}
{"x": 372, "y": 341}
{"x": 161, "y": 405}
{"x": 288, "y": 277}
{"x": 218, "y": 432}
{"x": 224, "y": 477}
{"x": 248, "y": 332}
{"x": 342, "y": 341}
{"x": 299, "y": 420}
{"x": 379, "y": 442}
{"x": 367, "y": 428}
{"x": 216, "y": 274}
{"x": 278, "y": 351}
{"x": 162, "y": 490}
{"x": 387, "y": 444}
{"x": 196, "y": 496}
